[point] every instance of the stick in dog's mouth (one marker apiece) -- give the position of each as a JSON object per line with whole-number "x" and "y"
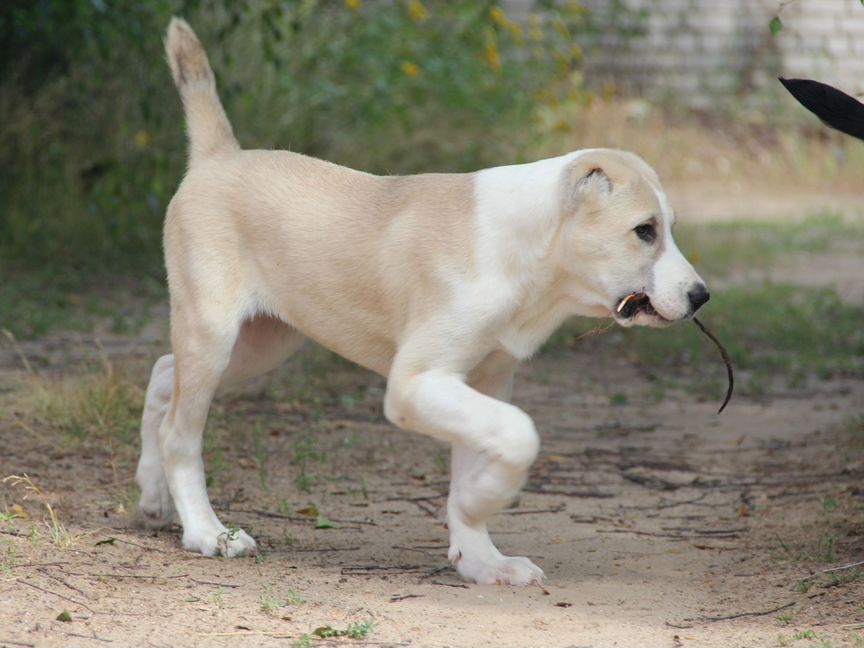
{"x": 726, "y": 360}
{"x": 635, "y": 302}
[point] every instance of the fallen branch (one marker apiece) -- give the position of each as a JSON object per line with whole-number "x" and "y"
{"x": 741, "y": 614}
{"x": 832, "y": 569}
{"x": 394, "y": 599}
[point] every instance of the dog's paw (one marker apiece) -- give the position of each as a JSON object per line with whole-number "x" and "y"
{"x": 504, "y": 570}
{"x": 156, "y": 508}
{"x": 230, "y": 543}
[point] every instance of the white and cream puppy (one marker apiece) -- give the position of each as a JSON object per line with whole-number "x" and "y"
{"x": 442, "y": 283}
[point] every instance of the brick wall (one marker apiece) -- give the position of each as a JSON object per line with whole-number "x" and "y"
{"x": 702, "y": 52}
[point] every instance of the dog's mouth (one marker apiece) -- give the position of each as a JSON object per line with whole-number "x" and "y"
{"x": 629, "y": 306}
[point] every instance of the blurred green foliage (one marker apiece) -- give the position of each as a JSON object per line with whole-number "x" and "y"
{"x": 91, "y": 127}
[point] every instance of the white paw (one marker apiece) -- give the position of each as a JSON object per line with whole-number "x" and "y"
{"x": 500, "y": 570}
{"x": 230, "y": 543}
{"x": 155, "y": 507}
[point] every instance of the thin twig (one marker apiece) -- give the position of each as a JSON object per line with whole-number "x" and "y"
{"x": 140, "y": 546}
{"x": 200, "y": 582}
{"x": 43, "y": 570}
{"x": 741, "y": 614}
{"x": 67, "y": 598}
{"x": 832, "y": 569}
{"x": 309, "y": 519}
{"x": 394, "y": 599}
{"x": 459, "y": 585}
{"x": 82, "y": 636}
{"x": 321, "y": 550}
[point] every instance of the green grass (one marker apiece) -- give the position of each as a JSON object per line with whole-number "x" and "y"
{"x": 719, "y": 249}
{"x": 36, "y": 303}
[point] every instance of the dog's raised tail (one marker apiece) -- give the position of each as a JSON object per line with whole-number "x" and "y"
{"x": 207, "y": 126}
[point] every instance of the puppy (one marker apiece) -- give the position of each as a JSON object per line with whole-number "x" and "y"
{"x": 443, "y": 283}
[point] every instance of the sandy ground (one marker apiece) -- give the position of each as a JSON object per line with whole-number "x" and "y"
{"x": 657, "y": 522}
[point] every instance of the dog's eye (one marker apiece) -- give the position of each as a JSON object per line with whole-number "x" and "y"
{"x": 646, "y": 232}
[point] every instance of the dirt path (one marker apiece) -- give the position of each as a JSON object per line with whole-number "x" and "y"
{"x": 650, "y": 519}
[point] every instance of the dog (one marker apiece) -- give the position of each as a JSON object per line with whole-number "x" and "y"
{"x": 834, "y": 107}
{"x": 443, "y": 283}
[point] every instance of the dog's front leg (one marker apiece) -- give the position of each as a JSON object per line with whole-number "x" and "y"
{"x": 494, "y": 444}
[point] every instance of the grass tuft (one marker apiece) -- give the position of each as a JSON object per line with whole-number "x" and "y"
{"x": 57, "y": 532}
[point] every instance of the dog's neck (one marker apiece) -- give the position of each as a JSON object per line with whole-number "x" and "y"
{"x": 519, "y": 211}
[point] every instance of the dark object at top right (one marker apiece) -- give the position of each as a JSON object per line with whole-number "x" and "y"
{"x": 835, "y": 108}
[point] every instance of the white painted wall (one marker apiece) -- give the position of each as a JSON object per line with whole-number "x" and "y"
{"x": 701, "y": 52}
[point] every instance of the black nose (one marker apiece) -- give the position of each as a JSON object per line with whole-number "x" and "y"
{"x": 698, "y": 296}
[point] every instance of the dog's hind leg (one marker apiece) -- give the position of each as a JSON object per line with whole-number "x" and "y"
{"x": 263, "y": 344}
{"x": 205, "y": 339}
{"x": 155, "y": 506}
{"x": 494, "y": 444}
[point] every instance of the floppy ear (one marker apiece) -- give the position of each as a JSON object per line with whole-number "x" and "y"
{"x": 835, "y": 108}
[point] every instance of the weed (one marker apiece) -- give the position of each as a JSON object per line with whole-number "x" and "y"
{"x": 219, "y": 597}
{"x": 305, "y": 451}
{"x": 829, "y": 504}
{"x": 57, "y": 533}
{"x": 826, "y": 546}
{"x": 6, "y": 517}
{"x": 260, "y": 455}
{"x": 231, "y": 533}
{"x": 804, "y": 634}
{"x": 845, "y": 576}
{"x": 304, "y": 641}
{"x": 785, "y": 619}
{"x": 294, "y": 598}
{"x": 804, "y": 586}
{"x": 355, "y": 630}
{"x": 618, "y": 399}
{"x": 33, "y": 536}
{"x": 783, "y": 640}
{"x": 269, "y": 602}
{"x": 100, "y": 407}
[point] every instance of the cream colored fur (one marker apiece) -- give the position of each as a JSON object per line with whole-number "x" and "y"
{"x": 441, "y": 283}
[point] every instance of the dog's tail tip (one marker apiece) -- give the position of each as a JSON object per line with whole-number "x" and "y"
{"x": 206, "y": 123}
{"x": 186, "y": 56}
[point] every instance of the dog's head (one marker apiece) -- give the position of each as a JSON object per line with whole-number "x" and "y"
{"x": 616, "y": 243}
